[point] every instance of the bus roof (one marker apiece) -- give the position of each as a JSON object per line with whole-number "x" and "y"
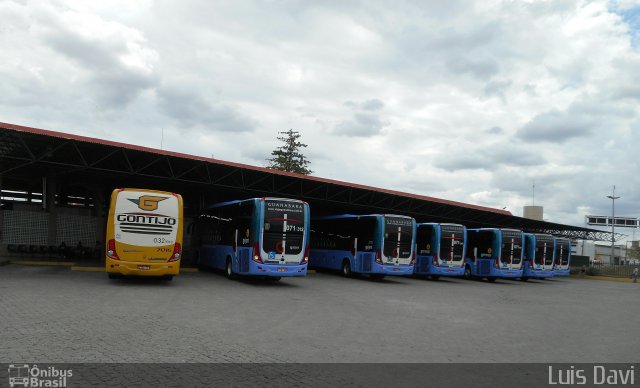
{"x": 495, "y": 230}
{"x": 227, "y": 203}
{"x": 439, "y": 223}
{"x": 338, "y": 216}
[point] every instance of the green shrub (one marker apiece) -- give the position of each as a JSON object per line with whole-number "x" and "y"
{"x": 593, "y": 271}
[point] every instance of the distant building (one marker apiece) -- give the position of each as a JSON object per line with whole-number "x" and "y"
{"x": 600, "y": 252}
{"x": 533, "y": 212}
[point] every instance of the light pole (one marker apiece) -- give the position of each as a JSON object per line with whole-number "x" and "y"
{"x": 613, "y": 220}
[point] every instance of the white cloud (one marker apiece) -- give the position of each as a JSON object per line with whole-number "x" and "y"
{"x": 469, "y": 101}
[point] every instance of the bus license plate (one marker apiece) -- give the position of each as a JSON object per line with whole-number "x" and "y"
{"x": 282, "y": 269}
{"x": 145, "y": 267}
{"x": 396, "y": 269}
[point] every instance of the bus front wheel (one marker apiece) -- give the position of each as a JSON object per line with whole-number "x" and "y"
{"x": 229, "y": 269}
{"x": 467, "y": 273}
{"x": 346, "y": 268}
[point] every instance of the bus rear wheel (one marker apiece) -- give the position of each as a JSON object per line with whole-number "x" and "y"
{"x": 346, "y": 268}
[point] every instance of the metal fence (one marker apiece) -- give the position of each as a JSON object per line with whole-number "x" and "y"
{"x": 621, "y": 271}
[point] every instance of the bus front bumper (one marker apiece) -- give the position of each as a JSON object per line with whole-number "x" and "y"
{"x": 508, "y": 273}
{"x": 561, "y": 273}
{"x": 276, "y": 270}
{"x": 540, "y": 273}
{"x": 132, "y": 268}
{"x": 391, "y": 270}
{"x": 446, "y": 271}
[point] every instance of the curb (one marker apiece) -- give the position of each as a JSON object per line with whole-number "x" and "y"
{"x": 43, "y": 263}
{"x": 87, "y": 269}
{"x": 607, "y": 278}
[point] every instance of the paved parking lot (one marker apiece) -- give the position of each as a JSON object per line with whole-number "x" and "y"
{"x": 52, "y": 314}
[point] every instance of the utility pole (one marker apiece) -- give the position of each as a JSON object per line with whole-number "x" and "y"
{"x": 613, "y": 220}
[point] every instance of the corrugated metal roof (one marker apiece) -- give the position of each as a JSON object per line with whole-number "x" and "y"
{"x": 87, "y": 139}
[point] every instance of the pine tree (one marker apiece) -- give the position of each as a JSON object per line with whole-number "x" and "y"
{"x": 288, "y": 156}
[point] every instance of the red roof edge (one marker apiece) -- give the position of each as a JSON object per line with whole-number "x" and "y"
{"x": 87, "y": 139}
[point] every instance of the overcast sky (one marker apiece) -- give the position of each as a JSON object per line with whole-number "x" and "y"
{"x": 468, "y": 101}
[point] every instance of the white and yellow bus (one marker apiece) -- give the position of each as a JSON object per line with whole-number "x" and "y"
{"x": 144, "y": 233}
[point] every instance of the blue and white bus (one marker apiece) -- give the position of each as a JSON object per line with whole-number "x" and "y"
{"x": 538, "y": 256}
{"x": 440, "y": 250}
{"x": 493, "y": 253}
{"x": 374, "y": 244}
{"x": 562, "y": 257}
{"x": 259, "y": 236}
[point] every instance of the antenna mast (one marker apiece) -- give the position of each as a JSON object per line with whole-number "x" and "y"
{"x": 533, "y": 194}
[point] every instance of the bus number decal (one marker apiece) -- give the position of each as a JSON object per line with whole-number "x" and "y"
{"x": 295, "y": 228}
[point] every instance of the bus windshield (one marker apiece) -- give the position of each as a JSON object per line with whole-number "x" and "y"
{"x": 398, "y": 236}
{"x": 452, "y": 242}
{"x": 511, "y": 252}
{"x": 563, "y": 252}
{"x": 544, "y": 250}
{"x": 284, "y": 223}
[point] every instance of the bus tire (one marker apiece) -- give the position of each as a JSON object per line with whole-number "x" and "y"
{"x": 435, "y": 277}
{"x": 467, "y": 272}
{"x": 346, "y": 268}
{"x": 228, "y": 269}
{"x": 491, "y": 279}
